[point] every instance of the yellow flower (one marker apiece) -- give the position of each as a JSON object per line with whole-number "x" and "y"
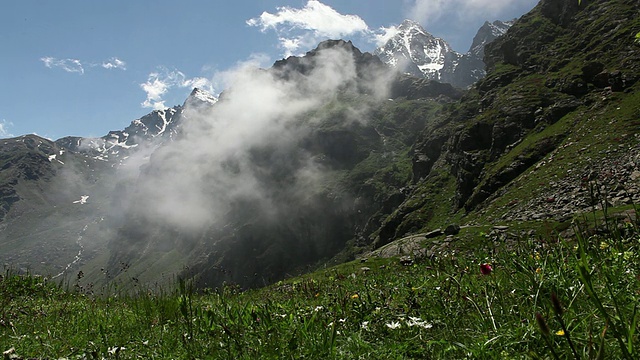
{"x": 355, "y": 296}
{"x": 538, "y": 271}
{"x": 560, "y": 332}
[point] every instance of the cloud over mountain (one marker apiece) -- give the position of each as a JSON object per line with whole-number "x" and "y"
{"x": 4, "y": 128}
{"x": 216, "y": 162}
{"x": 160, "y": 82}
{"x": 301, "y": 28}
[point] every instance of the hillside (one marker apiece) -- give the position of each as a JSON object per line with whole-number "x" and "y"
{"x": 556, "y": 117}
{"x": 500, "y": 222}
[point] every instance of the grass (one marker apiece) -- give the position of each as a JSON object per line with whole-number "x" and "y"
{"x": 545, "y": 297}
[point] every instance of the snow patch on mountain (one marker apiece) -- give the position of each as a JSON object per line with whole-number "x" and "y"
{"x": 83, "y": 200}
{"x": 414, "y": 51}
{"x": 148, "y": 131}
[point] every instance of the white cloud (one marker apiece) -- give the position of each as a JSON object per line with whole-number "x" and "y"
{"x": 385, "y": 34}
{"x": 432, "y": 10}
{"x": 114, "y": 63}
{"x": 159, "y": 83}
{"x": 4, "y": 129}
{"x": 298, "y": 28}
{"x": 68, "y": 65}
{"x": 155, "y": 87}
{"x": 77, "y": 66}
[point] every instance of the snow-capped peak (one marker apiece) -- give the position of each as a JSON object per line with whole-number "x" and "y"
{"x": 201, "y": 96}
{"x": 411, "y": 25}
{"x": 412, "y": 50}
{"x": 499, "y": 28}
{"x": 487, "y": 33}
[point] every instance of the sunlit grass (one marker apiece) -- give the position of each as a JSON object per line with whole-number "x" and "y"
{"x": 532, "y": 298}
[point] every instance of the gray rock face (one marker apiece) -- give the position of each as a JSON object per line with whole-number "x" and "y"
{"x": 418, "y": 53}
{"x": 470, "y": 67}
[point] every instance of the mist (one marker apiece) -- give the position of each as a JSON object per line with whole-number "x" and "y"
{"x": 247, "y": 147}
{"x": 256, "y": 183}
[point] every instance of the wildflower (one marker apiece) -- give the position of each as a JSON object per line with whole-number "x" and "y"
{"x": 318, "y": 308}
{"x": 416, "y": 321}
{"x": 393, "y": 325}
{"x": 485, "y": 269}
{"x": 365, "y": 325}
{"x": 560, "y": 332}
{"x": 115, "y": 350}
{"x": 355, "y": 296}
{"x": 538, "y": 271}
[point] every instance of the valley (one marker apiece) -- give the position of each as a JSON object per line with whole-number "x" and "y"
{"x": 332, "y": 206}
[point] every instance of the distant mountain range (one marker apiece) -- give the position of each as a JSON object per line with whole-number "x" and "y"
{"x": 414, "y": 51}
{"x": 155, "y": 127}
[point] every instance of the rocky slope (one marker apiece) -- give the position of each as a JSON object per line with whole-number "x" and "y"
{"x": 551, "y": 126}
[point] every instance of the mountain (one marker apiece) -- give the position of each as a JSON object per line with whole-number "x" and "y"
{"x": 416, "y": 52}
{"x": 295, "y": 192}
{"x": 328, "y": 155}
{"x": 54, "y": 194}
{"x": 548, "y": 131}
{"x": 155, "y": 127}
{"x": 469, "y": 68}
{"x": 279, "y": 174}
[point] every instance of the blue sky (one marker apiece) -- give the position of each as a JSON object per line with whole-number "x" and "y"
{"x": 84, "y": 67}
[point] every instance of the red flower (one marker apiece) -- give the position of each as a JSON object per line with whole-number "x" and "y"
{"x": 485, "y": 269}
